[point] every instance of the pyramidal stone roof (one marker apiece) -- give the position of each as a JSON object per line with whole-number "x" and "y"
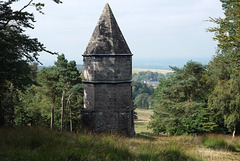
{"x": 107, "y": 37}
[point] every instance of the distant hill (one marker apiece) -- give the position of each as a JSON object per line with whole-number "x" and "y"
{"x": 162, "y": 71}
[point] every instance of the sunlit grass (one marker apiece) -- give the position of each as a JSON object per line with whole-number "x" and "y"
{"x": 30, "y": 144}
{"x": 217, "y": 142}
{"x": 142, "y": 122}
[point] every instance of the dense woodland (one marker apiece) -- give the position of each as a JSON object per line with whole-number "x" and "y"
{"x": 196, "y": 99}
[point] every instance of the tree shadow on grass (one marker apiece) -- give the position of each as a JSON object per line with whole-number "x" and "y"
{"x": 146, "y": 136}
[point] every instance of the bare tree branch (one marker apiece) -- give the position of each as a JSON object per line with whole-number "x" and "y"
{"x": 26, "y": 6}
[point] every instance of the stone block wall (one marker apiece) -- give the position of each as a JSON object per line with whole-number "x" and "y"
{"x": 108, "y": 121}
{"x": 108, "y": 107}
{"x": 108, "y": 68}
{"x": 108, "y": 96}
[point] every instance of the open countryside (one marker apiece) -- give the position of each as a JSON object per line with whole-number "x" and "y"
{"x": 137, "y": 70}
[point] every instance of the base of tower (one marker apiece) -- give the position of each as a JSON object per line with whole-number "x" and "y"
{"x": 108, "y": 121}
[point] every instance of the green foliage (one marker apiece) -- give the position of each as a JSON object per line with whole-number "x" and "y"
{"x": 180, "y": 106}
{"x": 17, "y": 51}
{"x": 48, "y": 78}
{"x": 142, "y": 95}
{"x": 226, "y": 99}
{"x": 139, "y": 88}
{"x": 195, "y": 100}
{"x": 61, "y": 85}
{"x": 69, "y": 86}
{"x": 38, "y": 104}
{"x": 9, "y": 99}
{"x": 31, "y": 109}
{"x": 227, "y": 33}
{"x": 67, "y": 73}
{"x": 143, "y": 100}
{"x": 198, "y": 100}
{"x": 225, "y": 67}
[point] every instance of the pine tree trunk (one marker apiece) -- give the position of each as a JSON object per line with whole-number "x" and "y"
{"x": 52, "y": 118}
{"x": 2, "y": 120}
{"x": 69, "y": 107}
{"x": 52, "y": 113}
{"x": 71, "y": 125}
{"x": 11, "y": 108}
{"x": 62, "y": 110}
{"x": 234, "y": 131}
{"x": 66, "y": 115}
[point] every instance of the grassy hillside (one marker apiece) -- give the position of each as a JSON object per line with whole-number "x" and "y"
{"x": 137, "y": 70}
{"x": 31, "y": 144}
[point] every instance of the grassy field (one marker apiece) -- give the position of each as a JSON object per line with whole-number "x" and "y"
{"x": 137, "y": 70}
{"x": 142, "y": 121}
{"x": 40, "y": 144}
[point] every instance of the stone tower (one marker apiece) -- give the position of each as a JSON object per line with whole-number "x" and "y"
{"x": 107, "y": 79}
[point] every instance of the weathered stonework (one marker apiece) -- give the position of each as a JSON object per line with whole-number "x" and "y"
{"x": 107, "y": 79}
{"x": 108, "y": 68}
{"x": 108, "y": 107}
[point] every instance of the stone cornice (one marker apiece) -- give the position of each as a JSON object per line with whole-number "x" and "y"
{"x": 107, "y": 82}
{"x": 89, "y": 55}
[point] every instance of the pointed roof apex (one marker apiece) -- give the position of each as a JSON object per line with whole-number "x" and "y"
{"x": 107, "y": 5}
{"x": 107, "y": 37}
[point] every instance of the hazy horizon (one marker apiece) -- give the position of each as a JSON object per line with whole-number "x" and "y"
{"x": 151, "y": 63}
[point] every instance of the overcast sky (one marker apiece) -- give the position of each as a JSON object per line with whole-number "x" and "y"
{"x": 155, "y": 30}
